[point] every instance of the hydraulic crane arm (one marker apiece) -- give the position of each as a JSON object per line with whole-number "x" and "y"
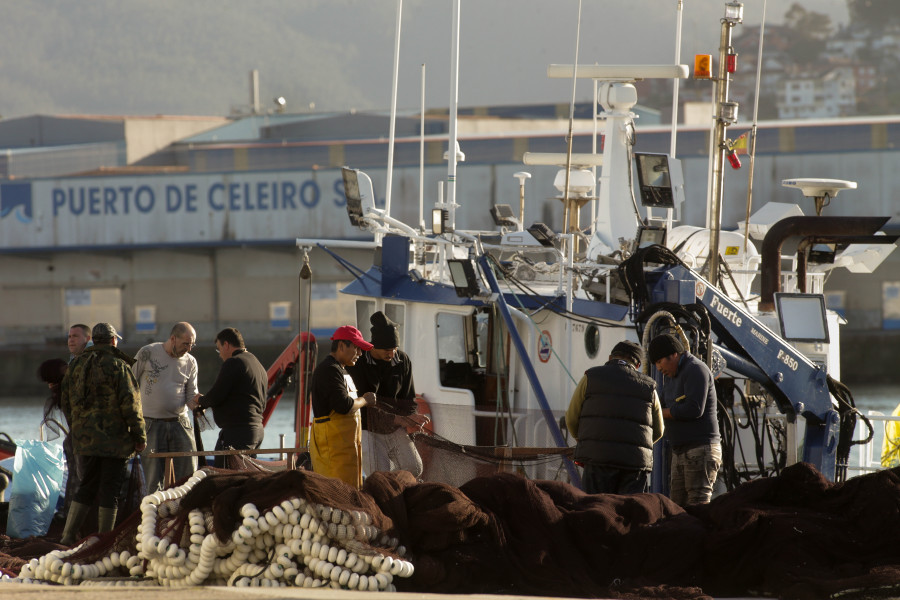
{"x": 799, "y": 386}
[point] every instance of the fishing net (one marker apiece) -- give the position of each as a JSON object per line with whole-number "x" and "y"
{"x": 447, "y": 462}
{"x": 794, "y": 536}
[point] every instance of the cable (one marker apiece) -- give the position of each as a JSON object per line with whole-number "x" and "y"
{"x": 548, "y": 305}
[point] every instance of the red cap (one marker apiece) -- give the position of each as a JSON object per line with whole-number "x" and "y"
{"x": 349, "y": 333}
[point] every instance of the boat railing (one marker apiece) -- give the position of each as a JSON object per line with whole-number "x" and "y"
{"x": 289, "y": 455}
{"x": 868, "y": 455}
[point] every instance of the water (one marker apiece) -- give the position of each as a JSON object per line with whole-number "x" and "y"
{"x": 20, "y": 418}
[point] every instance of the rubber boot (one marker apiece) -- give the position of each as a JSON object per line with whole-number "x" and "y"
{"x": 106, "y": 519}
{"x": 78, "y": 512}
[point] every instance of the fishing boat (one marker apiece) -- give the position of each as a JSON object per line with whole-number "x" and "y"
{"x": 502, "y": 322}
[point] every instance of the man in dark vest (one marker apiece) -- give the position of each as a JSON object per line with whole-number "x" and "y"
{"x": 616, "y": 417}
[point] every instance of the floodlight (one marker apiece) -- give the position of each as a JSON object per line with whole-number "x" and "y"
{"x": 802, "y": 317}
{"x": 462, "y": 272}
{"x": 544, "y": 235}
{"x": 649, "y": 235}
{"x": 734, "y": 12}
{"x": 351, "y": 193}
{"x": 503, "y": 216}
{"x": 822, "y": 254}
{"x": 439, "y": 218}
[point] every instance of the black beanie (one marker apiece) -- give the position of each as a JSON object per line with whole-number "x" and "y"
{"x": 629, "y": 350}
{"x": 664, "y": 345}
{"x": 384, "y": 332}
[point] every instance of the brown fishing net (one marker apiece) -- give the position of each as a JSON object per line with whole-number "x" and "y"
{"x": 795, "y": 536}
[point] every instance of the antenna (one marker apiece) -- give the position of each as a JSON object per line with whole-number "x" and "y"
{"x": 822, "y": 190}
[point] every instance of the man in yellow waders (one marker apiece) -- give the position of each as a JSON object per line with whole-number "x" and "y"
{"x": 335, "y": 446}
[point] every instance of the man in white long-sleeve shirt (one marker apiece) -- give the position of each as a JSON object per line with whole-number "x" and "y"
{"x": 168, "y": 378}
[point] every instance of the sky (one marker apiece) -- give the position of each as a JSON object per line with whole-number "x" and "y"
{"x": 176, "y": 57}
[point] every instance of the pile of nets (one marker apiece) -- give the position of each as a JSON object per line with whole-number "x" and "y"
{"x": 240, "y": 529}
{"x": 792, "y": 536}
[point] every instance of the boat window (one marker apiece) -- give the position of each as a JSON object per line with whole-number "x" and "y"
{"x": 592, "y": 340}
{"x": 482, "y": 332}
{"x": 364, "y": 310}
{"x": 451, "y": 337}
{"x": 397, "y": 314}
{"x": 454, "y": 369}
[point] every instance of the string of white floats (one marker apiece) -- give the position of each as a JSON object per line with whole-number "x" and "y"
{"x": 294, "y": 543}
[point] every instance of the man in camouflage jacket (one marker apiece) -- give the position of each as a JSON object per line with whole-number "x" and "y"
{"x": 101, "y": 400}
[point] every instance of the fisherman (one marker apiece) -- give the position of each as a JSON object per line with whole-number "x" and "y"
{"x": 692, "y": 427}
{"x": 101, "y": 399}
{"x": 238, "y": 396}
{"x": 168, "y": 378}
{"x": 79, "y": 339}
{"x": 386, "y": 371}
{"x": 335, "y": 446}
{"x": 616, "y": 417}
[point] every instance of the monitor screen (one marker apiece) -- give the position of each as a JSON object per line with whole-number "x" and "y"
{"x": 654, "y": 180}
{"x": 802, "y": 317}
{"x": 352, "y": 194}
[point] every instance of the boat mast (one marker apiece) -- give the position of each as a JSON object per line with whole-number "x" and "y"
{"x": 454, "y": 102}
{"x": 422, "y": 157}
{"x": 751, "y": 147}
{"x": 390, "y": 165}
{"x": 679, "y": 15}
{"x": 570, "y": 211}
{"x": 726, "y": 114}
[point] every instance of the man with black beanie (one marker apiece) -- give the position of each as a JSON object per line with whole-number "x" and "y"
{"x": 616, "y": 417}
{"x": 692, "y": 425}
{"x": 387, "y": 372}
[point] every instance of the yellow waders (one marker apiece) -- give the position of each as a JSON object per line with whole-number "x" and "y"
{"x": 335, "y": 447}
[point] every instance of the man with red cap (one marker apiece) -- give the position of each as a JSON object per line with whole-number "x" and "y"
{"x": 335, "y": 446}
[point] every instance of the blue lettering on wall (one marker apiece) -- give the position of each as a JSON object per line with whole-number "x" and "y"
{"x": 109, "y": 201}
{"x": 94, "y": 200}
{"x": 247, "y": 203}
{"x": 143, "y": 199}
{"x": 309, "y": 193}
{"x": 262, "y": 195}
{"x": 59, "y": 200}
{"x": 76, "y": 207}
{"x": 341, "y": 199}
{"x": 276, "y": 195}
{"x": 126, "y": 197}
{"x": 173, "y": 198}
{"x": 233, "y": 196}
{"x": 215, "y": 196}
{"x": 190, "y": 198}
{"x": 288, "y": 189}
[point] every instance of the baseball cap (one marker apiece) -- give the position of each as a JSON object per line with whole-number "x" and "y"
{"x": 349, "y": 333}
{"x": 103, "y": 332}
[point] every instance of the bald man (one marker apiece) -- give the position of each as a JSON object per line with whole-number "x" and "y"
{"x": 167, "y": 375}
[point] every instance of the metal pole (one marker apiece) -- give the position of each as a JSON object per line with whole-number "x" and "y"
{"x": 718, "y": 187}
{"x": 751, "y": 147}
{"x": 422, "y": 157}
{"x": 454, "y": 102}
{"x": 679, "y": 12}
{"x": 305, "y": 306}
{"x": 390, "y": 165}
